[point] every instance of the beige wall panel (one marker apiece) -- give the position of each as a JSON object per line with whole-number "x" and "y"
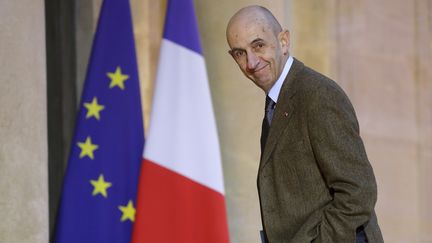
{"x": 23, "y": 131}
{"x": 423, "y": 74}
{"x": 311, "y": 24}
{"x": 397, "y": 206}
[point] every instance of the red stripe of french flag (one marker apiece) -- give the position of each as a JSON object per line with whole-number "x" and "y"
{"x": 177, "y": 209}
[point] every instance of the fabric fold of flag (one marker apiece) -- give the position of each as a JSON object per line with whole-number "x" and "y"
{"x": 181, "y": 193}
{"x": 99, "y": 189}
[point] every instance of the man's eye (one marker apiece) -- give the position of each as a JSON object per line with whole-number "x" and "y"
{"x": 239, "y": 53}
{"x": 259, "y": 45}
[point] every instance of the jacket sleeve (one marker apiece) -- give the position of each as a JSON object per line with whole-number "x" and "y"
{"x": 341, "y": 158}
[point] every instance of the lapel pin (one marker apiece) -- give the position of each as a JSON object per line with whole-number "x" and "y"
{"x": 285, "y": 114}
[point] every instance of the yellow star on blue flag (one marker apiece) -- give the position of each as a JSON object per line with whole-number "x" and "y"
{"x": 87, "y": 148}
{"x": 100, "y": 186}
{"x": 117, "y": 78}
{"x": 94, "y": 109}
{"x": 128, "y": 212}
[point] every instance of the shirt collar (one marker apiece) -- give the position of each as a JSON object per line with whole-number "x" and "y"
{"x": 275, "y": 90}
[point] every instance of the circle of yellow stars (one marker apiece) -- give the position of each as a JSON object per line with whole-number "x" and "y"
{"x": 88, "y": 148}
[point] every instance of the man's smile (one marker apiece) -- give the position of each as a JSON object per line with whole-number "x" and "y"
{"x": 259, "y": 69}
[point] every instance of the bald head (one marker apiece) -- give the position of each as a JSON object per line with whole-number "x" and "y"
{"x": 254, "y": 15}
{"x": 258, "y": 44}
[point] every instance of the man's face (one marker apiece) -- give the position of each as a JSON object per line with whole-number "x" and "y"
{"x": 258, "y": 50}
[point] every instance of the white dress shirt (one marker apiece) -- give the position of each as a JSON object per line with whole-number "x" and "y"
{"x": 275, "y": 90}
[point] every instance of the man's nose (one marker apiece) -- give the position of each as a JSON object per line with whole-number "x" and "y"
{"x": 252, "y": 61}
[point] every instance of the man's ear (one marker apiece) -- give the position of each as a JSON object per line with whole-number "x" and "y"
{"x": 284, "y": 39}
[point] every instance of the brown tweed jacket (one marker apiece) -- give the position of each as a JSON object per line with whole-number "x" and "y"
{"x": 315, "y": 182}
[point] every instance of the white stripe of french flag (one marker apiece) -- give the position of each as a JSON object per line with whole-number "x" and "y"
{"x": 181, "y": 192}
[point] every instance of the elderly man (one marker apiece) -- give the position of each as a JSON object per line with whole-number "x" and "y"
{"x": 315, "y": 182}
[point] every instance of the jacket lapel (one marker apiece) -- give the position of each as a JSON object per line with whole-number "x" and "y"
{"x": 283, "y": 112}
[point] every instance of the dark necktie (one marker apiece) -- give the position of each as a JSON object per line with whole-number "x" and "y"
{"x": 269, "y": 110}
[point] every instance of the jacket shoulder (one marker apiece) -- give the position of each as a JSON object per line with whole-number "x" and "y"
{"x": 309, "y": 80}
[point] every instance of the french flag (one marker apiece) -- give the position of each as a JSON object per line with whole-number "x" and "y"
{"x": 181, "y": 192}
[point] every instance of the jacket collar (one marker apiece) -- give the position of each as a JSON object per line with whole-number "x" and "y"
{"x": 284, "y": 110}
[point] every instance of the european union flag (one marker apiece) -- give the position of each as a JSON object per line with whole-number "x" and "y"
{"x": 98, "y": 199}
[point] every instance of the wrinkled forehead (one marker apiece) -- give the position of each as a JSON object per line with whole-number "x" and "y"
{"x": 245, "y": 28}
